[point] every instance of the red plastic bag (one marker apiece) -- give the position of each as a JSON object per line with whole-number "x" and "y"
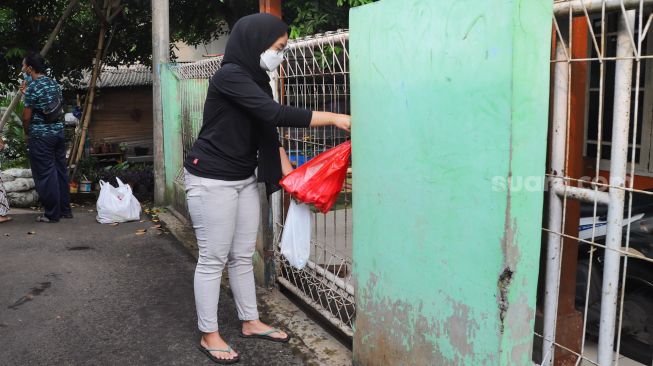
{"x": 320, "y": 180}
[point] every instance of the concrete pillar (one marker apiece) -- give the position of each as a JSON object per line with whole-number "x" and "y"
{"x": 160, "y": 54}
{"x": 449, "y": 109}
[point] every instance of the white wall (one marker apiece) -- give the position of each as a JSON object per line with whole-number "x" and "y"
{"x": 187, "y": 53}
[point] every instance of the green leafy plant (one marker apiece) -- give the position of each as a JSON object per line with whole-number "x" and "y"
{"x": 118, "y": 167}
{"x": 87, "y": 168}
{"x": 353, "y": 3}
{"x": 309, "y": 19}
{"x": 25, "y": 25}
{"x": 14, "y": 154}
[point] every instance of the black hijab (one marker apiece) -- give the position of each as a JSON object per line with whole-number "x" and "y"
{"x": 251, "y": 36}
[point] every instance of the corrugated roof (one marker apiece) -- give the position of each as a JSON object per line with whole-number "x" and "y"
{"x": 119, "y": 77}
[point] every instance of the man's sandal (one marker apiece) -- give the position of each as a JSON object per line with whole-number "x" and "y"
{"x": 221, "y": 361}
{"x": 267, "y": 336}
{"x": 42, "y": 218}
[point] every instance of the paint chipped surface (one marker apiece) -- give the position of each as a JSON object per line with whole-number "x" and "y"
{"x": 410, "y": 337}
{"x": 504, "y": 286}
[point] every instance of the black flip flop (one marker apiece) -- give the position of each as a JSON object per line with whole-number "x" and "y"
{"x": 221, "y": 361}
{"x": 267, "y": 337}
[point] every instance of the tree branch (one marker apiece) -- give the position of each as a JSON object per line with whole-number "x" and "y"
{"x": 116, "y": 13}
{"x": 98, "y": 12}
{"x": 108, "y": 44}
{"x": 71, "y": 6}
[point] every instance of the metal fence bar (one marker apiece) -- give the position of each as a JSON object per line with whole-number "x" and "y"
{"x": 581, "y": 194}
{"x": 202, "y": 69}
{"x": 593, "y": 6}
{"x": 622, "y": 295}
{"x": 601, "y": 53}
{"x": 558, "y": 149}
{"x": 619, "y": 156}
{"x": 317, "y": 306}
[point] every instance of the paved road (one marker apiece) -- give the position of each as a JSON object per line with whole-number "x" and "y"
{"x": 81, "y": 293}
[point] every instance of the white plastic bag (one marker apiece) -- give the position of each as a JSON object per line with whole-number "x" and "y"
{"x": 296, "y": 238}
{"x": 117, "y": 204}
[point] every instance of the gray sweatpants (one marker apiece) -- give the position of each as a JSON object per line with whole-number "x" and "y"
{"x": 225, "y": 217}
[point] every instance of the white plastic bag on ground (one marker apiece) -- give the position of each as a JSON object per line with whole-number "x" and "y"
{"x": 117, "y": 204}
{"x": 296, "y": 237}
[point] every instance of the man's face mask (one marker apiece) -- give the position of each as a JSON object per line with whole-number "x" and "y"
{"x": 26, "y": 76}
{"x": 271, "y": 59}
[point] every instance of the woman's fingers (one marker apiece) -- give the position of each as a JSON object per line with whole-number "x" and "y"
{"x": 344, "y": 122}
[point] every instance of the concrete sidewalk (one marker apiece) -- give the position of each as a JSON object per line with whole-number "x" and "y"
{"x": 81, "y": 293}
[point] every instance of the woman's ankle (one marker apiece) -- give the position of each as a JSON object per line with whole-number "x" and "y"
{"x": 211, "y": 336}
{"x": 252, "y": 323}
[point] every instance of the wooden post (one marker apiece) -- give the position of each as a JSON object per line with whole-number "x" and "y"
{"x": 569, "y": 327}
{"x": 270, "y": 6}
{"x": 160, "y": 55}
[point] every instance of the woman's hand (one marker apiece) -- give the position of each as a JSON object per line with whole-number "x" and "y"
{"x": 343, "y": 122}
{"x": 23, "y": 86}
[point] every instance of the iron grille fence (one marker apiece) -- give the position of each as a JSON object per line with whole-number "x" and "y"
{"x": 598, "y": 238}
{"x": 315, "y": 76}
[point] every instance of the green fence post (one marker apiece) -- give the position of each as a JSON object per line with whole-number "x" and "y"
{"x": 172, "y": 142}
{"x": 449, "y": 106}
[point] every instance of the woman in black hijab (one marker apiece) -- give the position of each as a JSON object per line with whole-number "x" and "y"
{"x": 239, "y": 135}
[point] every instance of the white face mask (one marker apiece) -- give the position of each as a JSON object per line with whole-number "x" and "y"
{"x": 271, "y": 59}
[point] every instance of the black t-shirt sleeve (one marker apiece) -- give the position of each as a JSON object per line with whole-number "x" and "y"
{"x": 238, "y": 87}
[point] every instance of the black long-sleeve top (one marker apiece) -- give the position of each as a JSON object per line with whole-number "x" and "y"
{"x": 238, "y": 114}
